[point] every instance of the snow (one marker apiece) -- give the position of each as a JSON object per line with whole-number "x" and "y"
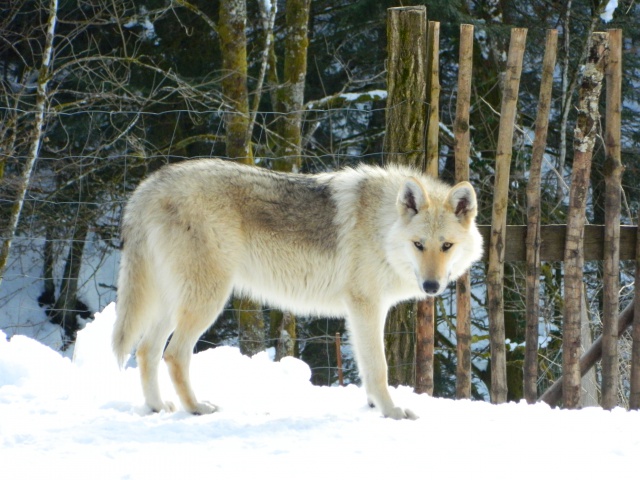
{"x": 607, "y": 13}
{"x": 358, "y": 98}
{"x": 373, "y": 94}
{"x": 84, "y": 418}
{"x": 148, "y": 28}
{"x": 22, "y": 284}
{"x": 266, "y": 5}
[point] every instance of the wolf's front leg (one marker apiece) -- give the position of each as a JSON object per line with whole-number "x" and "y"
{"x": 366, "y": 323}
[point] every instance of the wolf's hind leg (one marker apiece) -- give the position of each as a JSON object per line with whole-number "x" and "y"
{"x": 148, "y": 355}
{"x": 192, "y": 321}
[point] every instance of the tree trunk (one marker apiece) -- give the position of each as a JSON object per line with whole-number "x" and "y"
{"x": 406, "y": 86}
{"x": 233, "y": 44}
{"x": 48, "y": 295}
{"x": 405, "y": 144}
{"x": 290, "y": 104}
{"x": 291, "y": 93}
{"x": 67, "y": 306}
{"x": 8, "y": 232}
{"x": 283, "y": 330}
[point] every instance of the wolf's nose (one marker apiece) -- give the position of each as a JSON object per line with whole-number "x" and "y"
{"x": 431, "y": 287}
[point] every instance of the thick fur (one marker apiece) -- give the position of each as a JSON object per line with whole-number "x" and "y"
{"x": 347, "y": 244}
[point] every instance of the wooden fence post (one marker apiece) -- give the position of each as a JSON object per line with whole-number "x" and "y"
{"x": 533, "y": 220}
{"x": 425, "y": 312}
{"x": 405, "y": 144}
{"x": 433, "y": 98}
{"x": 495, "y": 272}
{"x": 584, "y": 141}
{"x": 406, "y": 86}
{"x": 461, "y": 147}
{"x": 634, "y": 395}
{"x": 339, "y": 360}
{"x": 613, "y": 180}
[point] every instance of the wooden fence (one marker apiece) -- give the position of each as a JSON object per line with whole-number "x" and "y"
{"x": 410, "y": 103}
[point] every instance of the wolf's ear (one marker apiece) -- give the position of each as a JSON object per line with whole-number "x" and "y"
{"x": 412, "y": 198}
{"x": 462, "y": 199}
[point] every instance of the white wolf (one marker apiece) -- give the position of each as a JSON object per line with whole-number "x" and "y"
{"x": 347, "y": 244}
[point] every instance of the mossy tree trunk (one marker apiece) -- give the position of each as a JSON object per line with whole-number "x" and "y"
{"x": 233, "y": 44}
{"x": 291, "y": 92}
{"x": 290, "y": 103}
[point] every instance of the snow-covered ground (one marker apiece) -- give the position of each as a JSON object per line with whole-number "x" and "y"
{"x": 22, "y": 284}
{"x": 83, "y": 418}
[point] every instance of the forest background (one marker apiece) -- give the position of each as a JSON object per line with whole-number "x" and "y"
{"x": 96, "y": 94}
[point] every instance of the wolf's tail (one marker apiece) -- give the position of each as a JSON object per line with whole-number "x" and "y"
{"x": 132, "y": 304}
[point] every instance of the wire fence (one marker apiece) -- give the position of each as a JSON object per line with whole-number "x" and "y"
{"x": 24, "y": 313}
{"x": 85, "y": 179}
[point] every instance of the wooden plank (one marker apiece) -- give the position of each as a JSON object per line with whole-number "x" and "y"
{"x": 552, "y": 241}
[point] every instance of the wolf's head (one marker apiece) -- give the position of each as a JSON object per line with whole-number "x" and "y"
{"x": 436, "y": 235}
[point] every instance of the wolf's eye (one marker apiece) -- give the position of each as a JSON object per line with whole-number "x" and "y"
{"x": 419, "y": 246}
{"x": 446, "y": 246}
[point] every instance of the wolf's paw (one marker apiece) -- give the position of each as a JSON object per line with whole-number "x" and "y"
{"x": 398, "y": 413}
{"x": 203, "y": 408}
{"x": 162, "y": 406}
